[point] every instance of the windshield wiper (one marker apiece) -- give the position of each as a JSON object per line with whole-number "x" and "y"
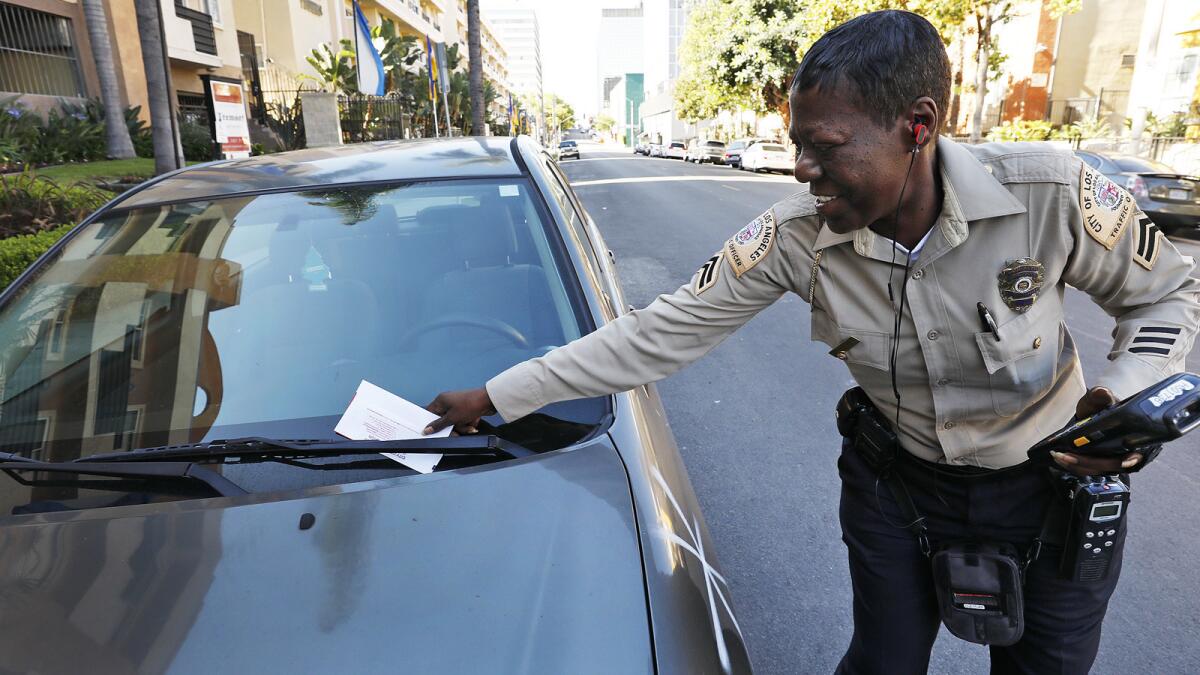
{"x": 165, "y": 471}
{"x": 259, "y": 448}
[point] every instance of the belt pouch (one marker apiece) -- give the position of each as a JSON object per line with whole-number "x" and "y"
{"x": 979, "y": 591}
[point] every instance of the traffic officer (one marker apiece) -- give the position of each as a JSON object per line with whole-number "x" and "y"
{"x": 936, "y": 271}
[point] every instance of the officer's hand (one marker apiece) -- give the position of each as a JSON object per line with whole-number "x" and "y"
{"x": 1095, "y": 400}
{"x": 461, "y": 409}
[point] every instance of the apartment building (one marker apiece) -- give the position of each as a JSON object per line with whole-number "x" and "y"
{"x": 46, "y": 55}
{"x": 1113, "y": 61}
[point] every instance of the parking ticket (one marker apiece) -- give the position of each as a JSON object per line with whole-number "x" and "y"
{"x": 375, "y": 414}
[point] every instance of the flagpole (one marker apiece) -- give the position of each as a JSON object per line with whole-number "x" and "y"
{"x": 432, "y": 92}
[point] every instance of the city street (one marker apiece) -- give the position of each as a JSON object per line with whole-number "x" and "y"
{"x": 754, "y": 421}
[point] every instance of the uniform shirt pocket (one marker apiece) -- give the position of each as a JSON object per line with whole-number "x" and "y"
{"x": 1021, "y": 365}
{"x": 871, "y": 350}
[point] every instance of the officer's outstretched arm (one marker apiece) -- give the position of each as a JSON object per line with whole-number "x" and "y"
{"x": 749, "y": 273}
{"x": 1136, "y": 274}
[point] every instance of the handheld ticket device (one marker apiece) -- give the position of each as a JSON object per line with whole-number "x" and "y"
{"x": 1098, "y": 504}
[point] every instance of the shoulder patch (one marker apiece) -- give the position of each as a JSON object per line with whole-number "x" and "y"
{"x": 751, "y": 244}
{"x": 709, "y": 272}
{"x": 1149, "y": 242}
{"x": 1106, "y": 208}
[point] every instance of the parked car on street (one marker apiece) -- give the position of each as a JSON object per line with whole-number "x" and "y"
{"x": 705, "y": 151}
{"x": 733, "y": 151}
{"x": 1170, "y": 199}
{"x": 174, "y": 496}
{"x": 656, "y": 150}
{"x": 641, "y": 148}
{"x": 766, "y": 156}
{"x": 674, "y": 150}
{"x": 568, "y": 149}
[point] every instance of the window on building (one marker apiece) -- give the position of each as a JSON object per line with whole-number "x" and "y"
{"x": 38, "y": 53}
{"x": 210, "y": 7}
{"x": 1128, "y": 60}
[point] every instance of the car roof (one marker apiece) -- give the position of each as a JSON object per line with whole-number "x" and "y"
{"x": 474, "y": 157}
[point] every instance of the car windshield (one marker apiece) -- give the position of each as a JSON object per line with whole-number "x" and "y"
{"x": 260, "y": 315}
{"x": 567, "y": 144}
{"x": 1139, "y": 165}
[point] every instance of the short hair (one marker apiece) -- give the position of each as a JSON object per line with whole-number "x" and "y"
{"x": 890, "y": 58}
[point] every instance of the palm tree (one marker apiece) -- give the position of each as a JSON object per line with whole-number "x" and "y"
{"x": 119, "y": 144}
{"x": 475, "y": 67}
{"x": 162, "y": 128}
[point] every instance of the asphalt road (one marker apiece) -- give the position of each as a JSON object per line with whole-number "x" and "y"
{"x": 754, "y": 421}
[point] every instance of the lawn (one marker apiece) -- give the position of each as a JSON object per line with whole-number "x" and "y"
{"x": 107, "y": 170}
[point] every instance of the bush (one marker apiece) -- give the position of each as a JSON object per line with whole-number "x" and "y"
{"x": 18, "y": 253}
{"x": 31, "y": 204}
{"x": 1021, "y": 130}
{"x": 139, "y": 132}
{"x": 197, "y": 142}
{"x": 72, "y": 133}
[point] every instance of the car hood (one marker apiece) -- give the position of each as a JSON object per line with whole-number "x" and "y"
{"x": 528, "y": 566}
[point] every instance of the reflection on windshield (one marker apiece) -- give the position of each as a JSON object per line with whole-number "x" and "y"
{"x": 242, "y": 316}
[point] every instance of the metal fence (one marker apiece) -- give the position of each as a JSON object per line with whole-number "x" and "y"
{"x": 374, "y": 118}
{"x": 1109, "y": 104}
{"x": 38, "y": 53}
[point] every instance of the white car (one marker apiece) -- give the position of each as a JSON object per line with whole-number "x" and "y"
{"x": 675, "y": 150}
{"x": 767, "y": 157}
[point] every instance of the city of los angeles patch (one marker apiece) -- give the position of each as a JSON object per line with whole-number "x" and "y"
{"x": 751, "y": 244}
{"x": 1107, "y": 209}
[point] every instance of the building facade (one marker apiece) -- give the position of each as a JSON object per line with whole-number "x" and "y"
{"x": 515, "y": 26}
{"x": 46, "y": 54}
{"x": 618, "y": 44}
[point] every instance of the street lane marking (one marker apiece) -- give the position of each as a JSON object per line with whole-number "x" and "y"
{"x": 655, "y": 179}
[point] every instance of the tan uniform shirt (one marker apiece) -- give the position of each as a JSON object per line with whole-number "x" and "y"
{"x": 1019, "y": 222}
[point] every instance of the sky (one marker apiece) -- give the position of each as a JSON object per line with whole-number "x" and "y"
{"x": 568, "y": 31}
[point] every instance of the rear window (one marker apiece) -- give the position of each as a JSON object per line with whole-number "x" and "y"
{"x": 567, "y": 144}
{"x": 714, "y": 144}
{"x": 677, "y": 145}
{"x": 1140, "y": 165}
{"x": 767, "y": 147}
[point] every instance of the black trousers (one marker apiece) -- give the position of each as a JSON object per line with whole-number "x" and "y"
{"x": 895, "y": 605}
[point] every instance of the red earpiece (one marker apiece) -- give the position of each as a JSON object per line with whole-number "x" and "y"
{"x": 920, "y": 133}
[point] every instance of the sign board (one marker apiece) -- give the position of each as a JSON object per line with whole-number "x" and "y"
{"x": 227, "y": 110}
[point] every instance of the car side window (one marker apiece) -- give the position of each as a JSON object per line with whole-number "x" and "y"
{"x": 578, "y": 230}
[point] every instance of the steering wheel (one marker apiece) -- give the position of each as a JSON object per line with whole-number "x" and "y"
{"x": 481, "y": 322}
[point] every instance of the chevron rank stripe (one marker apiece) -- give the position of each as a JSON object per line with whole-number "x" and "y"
{"x": 708, "y": 273}
{"x": 1148, "y": 242}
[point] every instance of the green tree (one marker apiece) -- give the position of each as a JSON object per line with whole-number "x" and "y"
{"x": 120, "y": 145}
{"x": 168, "y": 153}
{"x": 604, "y": 123}
{"x": 475, "y": 63}
{"x": 336, "y": 72}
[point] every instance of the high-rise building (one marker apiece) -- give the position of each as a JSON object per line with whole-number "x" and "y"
{"x": 665, "y": 22}
{"x": 516, "y": 26}
{"x": 618, "y": 44}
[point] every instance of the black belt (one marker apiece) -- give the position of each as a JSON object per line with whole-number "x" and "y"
{"x": 868, "y": 431}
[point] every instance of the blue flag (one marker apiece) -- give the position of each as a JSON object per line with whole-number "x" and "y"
{"x": 370, "y": 66}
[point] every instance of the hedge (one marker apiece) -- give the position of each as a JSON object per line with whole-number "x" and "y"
{"x": 18, "y": 253}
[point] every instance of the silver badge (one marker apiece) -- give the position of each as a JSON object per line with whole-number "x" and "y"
{"x": 1020, "y": 282}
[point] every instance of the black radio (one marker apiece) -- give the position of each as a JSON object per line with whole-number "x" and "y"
{"x": 1098, "y": 505}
